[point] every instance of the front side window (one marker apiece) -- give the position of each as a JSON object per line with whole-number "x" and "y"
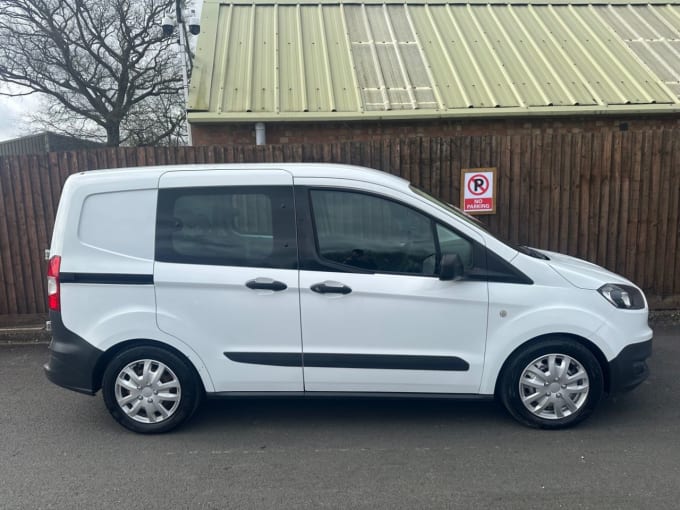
{"x": 367, "y": 232}
{"x": 452, "y": 243}
{"x": 227, "y": 226}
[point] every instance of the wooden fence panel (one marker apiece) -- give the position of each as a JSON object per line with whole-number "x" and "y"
{"x": 612, "y": 198}
{"x": 672, "y": 262}
{"x": 8, "y": 299}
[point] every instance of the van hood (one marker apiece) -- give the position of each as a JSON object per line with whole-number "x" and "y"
{"x": 581, "y": 273}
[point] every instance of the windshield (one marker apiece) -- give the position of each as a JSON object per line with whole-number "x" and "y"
{"x": 471, "y": 220}
{"x": 467, "y": 218}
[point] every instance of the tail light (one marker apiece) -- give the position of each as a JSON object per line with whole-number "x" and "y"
{"x": 53, "y": 294}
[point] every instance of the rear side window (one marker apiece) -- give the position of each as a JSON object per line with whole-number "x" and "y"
{"x": 250, "y": 226}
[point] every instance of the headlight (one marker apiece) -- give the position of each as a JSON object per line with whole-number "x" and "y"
{"x": 623, "y": 296}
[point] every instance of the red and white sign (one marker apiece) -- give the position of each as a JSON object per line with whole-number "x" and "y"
{"x": 478, "y": 190}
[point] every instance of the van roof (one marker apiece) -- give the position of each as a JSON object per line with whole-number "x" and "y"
{"x": 328, "y": 170}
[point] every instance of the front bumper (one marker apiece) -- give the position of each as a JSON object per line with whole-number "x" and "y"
{"x": 73, "y": 360}
{"x": 629, "y": 368}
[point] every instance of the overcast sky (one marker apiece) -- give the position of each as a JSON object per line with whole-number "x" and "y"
{"x": 14, "y": 115}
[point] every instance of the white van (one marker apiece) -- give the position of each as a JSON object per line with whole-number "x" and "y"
{"x": 168, "y": 284}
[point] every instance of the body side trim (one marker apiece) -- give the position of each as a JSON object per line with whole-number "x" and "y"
{"x": 336, "y": 360}
{"x": 107, "y": 278}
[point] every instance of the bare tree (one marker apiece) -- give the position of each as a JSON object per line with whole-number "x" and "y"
{"x": 102, "y": 63}
{"x": 160, "y": 120}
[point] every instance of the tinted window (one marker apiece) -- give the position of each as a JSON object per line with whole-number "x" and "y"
{"x": 369, "y": 232}
{"x": 228, "y": 226}
{"x": 452, "y": 243}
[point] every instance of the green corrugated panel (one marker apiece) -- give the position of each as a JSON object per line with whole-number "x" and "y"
{"x": 446, "y": 70}
{"x": 638, "y": 81}
{"x": 559, "y": 72}
{"x": 290, "y": 73}
{"x": 498, "y": 84}
{"x": 218, "y": 58}
{"x": 433, "y": 2}
{"x": 343, "y": 60}
{"x": 316, "y": 66}
{"x": 520, "y": 68}
{"x": 653, "y": 36}
{"x": 201, "y": 91}
{"x": 543, "y": 65}
{"x": 262, "y": 90}
{"x": 345, "y": 93}
{"x": 605, "y": 74}
{"x": 473, "y": 82}
{"x": 239, "y": 69}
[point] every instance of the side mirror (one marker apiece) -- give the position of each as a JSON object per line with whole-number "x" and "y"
{"x": 451, "y": 267}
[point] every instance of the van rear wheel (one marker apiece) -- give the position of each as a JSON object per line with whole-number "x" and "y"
{"x": 553, "y": 384}
{"x": 150, "y": 390}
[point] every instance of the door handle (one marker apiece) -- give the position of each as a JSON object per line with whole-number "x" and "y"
{"x": 266, "y": 284}
{"x": 331, "y": 288}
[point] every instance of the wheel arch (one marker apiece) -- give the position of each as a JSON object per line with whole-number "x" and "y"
{"x": 594, "y": 349}
{"x": 113, "y": 351}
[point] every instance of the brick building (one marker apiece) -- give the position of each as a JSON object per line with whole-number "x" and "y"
{"x": 320, "y": 71}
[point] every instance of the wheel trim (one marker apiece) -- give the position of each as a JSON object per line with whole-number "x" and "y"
{"x": 148, "y": 391}
{"x": 554, "y": 386}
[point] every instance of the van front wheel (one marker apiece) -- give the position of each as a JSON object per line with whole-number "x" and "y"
{"x": 553, "y": 384}
{"x": 150, "y": 390}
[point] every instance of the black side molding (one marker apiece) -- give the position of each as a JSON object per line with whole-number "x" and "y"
{"x": 276, "y": 359}
{"x": 107, "y": 278}
{"x": 368, "y": 361}
{"x": 386, "y": 361}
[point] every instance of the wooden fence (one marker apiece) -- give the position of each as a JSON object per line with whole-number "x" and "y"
{"x": 612, "y": 198}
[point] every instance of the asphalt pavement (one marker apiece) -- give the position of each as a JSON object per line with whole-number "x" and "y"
{"x": 59, "y": 449}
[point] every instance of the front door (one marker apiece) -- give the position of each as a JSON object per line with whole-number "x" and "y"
{"x": 375, "y": 316}
{"x": 226, "y": 275}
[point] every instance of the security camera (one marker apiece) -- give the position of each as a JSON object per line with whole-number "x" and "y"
{"x": 194, "y": 24}
{"x": 168, "y": 25}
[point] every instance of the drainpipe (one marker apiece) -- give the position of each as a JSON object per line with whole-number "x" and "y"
{"x": 260, "y": 135}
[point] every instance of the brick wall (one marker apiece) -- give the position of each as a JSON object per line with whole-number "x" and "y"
{"x": 324, "y": 132}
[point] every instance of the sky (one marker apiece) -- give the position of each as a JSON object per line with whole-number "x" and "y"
{"x": 14, "y": 115}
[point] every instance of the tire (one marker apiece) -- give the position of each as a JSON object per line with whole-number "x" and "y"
{"x": 538, "y": 398}
{"x": 150, "y": 390}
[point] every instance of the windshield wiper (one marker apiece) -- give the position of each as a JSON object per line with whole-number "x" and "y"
{"x": 532, "y": 253}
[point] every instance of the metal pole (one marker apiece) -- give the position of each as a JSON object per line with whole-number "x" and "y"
{"x": 183, "y": 50}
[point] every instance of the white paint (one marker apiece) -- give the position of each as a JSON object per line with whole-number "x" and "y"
{"x": 204, "y": 311}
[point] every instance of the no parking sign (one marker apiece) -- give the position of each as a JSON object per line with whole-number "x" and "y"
{"x": 478, "y": 190}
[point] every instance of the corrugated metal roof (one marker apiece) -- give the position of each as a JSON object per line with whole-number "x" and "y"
{"x": 44, "y": 142}
{"x": 335, "y": 60}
